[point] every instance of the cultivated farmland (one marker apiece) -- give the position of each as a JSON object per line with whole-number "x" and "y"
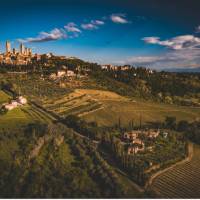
{"x": 79, "y": 102}
{"x": 21, "y": 115}
{"x": 107, "y": 107}
{"x": 127, "y": 109}
{"x": 181, "y": 181}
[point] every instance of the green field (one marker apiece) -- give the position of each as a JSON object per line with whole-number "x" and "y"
{"x": 149, "y": 112}
{"x": 21, "y": 115}
{"x": 3, "y": 97}
{"x": 101, "y": 106}
{"x": 107, "y": 107}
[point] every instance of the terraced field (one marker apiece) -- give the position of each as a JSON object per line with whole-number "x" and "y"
{"x": 181, "y": 181}
{"x": 77, "y": 103}
{"x": 107, "y": 107}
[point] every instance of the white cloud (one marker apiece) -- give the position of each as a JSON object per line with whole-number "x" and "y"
{"x": 173, "y": 59}
{"x": 184, "y": 52}
{"x": 94, "y": 24}
{"x": 119, "y": 18}
{"x": 89, "y": 26}
{"x": 151, "y": 40}
{"x": 97, "y": 22}
{"x": 72, "y": 27}
{"x": 176, "y": 43}
{"x": 55, "y": 34}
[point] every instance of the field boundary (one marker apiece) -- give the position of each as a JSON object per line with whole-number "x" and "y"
{"x": 89, "y": 112}
{"x": 187, "y": 159}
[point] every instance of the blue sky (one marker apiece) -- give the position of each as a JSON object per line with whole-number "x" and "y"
{"x": 158, "y": 34}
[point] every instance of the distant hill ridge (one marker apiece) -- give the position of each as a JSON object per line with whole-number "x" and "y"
{"x": 188, "y": 70}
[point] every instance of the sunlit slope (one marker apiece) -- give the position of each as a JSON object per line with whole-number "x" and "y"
{"x": 21, "y": 115}
{"x": 149, "y": 112}
{"x": 107, "y": 107}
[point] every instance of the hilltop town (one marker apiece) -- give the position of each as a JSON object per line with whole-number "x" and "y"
{"x": 22, "y": 56}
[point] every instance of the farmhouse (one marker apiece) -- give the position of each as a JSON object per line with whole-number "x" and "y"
{"x": 137, "y": 144}
{"x": 15, "y": 103}
{"x": 131, "y": 135}
{"x": 9, "y": 106}
{"x": 22, "y": 100}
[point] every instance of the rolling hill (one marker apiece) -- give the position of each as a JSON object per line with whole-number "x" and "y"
{"x": 107, "y": 107}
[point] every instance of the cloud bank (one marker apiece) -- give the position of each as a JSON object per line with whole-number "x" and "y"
{"x": 184, "y": 51}
{"x": 55, "y": 34}
{"x": 184, "y": 58}
{"x": 72, "y": 27}
{"x": 176, "y": 43}
{"x": 89, "y": 26}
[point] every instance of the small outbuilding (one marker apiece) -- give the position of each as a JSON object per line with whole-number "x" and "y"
{"x": 22, "y": 100}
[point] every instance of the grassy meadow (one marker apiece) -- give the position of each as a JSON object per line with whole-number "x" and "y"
{"x": 4, "y": 97}
{"x": 149, "y": 112}
{"x": 21, "y": 115}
